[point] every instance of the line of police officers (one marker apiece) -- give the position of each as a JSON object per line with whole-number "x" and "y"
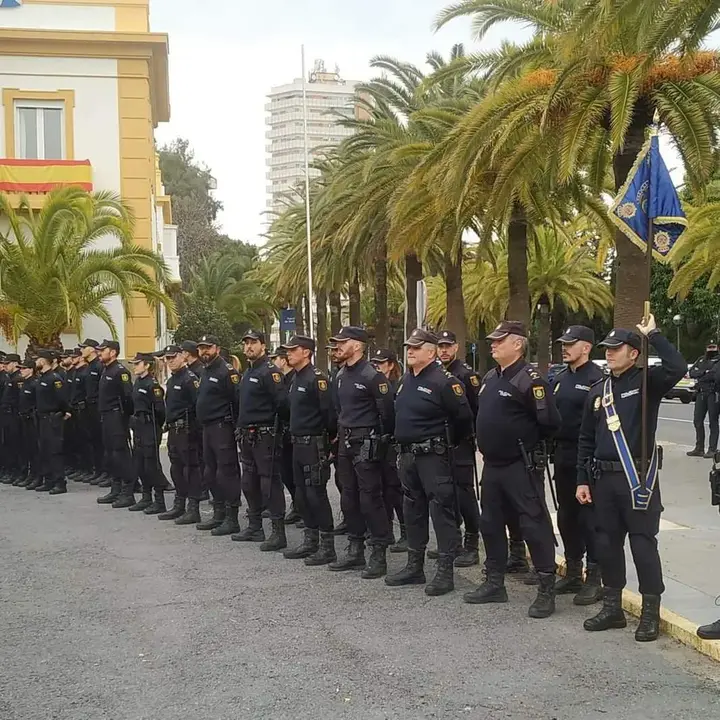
{"x": 401, "y": 446}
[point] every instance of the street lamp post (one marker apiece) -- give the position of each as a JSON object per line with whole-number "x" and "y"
{"x": 677, "y": 321}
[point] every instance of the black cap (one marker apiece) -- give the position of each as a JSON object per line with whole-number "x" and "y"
{"x": 208, "y": 340}
{"x": 46, "y": 354}
{"x": 89, "y": 342}
{"x": 618, "y": 337}
{"x": 278, "y": 352}
{"x": 67, "y": 354}
{"x": 2, "y": 355}
{"x": 332, "y": 344}
{"x": 12, "y": 357}
{"x": 508, "y": 327}
{"x": 143, "y": 357}
{"x": 712, "y": 343}
{"x": 189, "y": 346}
{"x": 383, "y": 355}
{"x": 26, "y": 365}
{"x": 111, "y": 344}
{"x": 254, "y": 335}
{"x": 419, "y": 337}
{"x": 350, "y": 332}
{"x": 76, "y": 352}
{"x": 446, "y": 337}
{"x": 302, "y": 341}
{"x": 575, "y": 333}
{"x": 171, "y": 350}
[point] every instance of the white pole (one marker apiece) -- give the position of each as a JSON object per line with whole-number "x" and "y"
{"x": 311, "y": 324}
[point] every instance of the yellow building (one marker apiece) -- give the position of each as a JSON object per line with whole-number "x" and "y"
{"x": 83, "y": 85}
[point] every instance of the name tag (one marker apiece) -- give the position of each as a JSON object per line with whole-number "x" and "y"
{"x": 28, "y": 392}
{"x": 358, "y": 386}
{"x": 93, "y": 373}
{"x": 144, "y": 392}
{"x": 43, "y": 384}
{"x": 586, "y": 388}
{"x": 301, "y": 389}
{"x": 627, "y": 394}
{"x": 108, "y": 377}
{"x": 504, "y": 393}
{"x": 177, "y": 387}
{"x": 255, "y": 380}
{"x": 213, "y": 379}
{"x": 425, "y": 390}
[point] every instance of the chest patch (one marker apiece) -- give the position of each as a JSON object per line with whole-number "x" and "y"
{"x": 254, "y": 380}
{"x": 425, "y": 390}
{"x": 586, "y": 388}
{"x": 177, "y": 387}
{"x": 301, "y": 389}
{"x": 213, "y": 379}
{"x": 142, "y": 390}
{"x": 360, "y": 386}
{"x": 504, "y": 393}
{"x": 629, "y": 393}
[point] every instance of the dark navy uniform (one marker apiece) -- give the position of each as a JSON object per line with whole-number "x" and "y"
{"x": 52, "y": 405}
{"x": 147, "y": 422}
{"x": 706, "y": 372}
{"x": 91, "y": 417}
{"x": 27, "y": 412}
{"x": 599, "y": 466}
{"x": 83, "y": 439}
{"x": 10, "y": 425}
{"x": 286, "y": 453}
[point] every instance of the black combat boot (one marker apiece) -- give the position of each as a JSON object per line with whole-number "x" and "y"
{"x": 20, "y": 480}
{"x": 517, "y": 558}
{"x": 230, "y": 524}
{"x": 413, "y": 572}
{"x": 293, "y": 515}
{"x": 308, "y": 547}
{"x": 158, "y": 504}
{"x": 591, "y": 591}
{"x": 277, "y": 539}
{"x": 7, "y": 479}
{"x": 87, "y": 477}
{"x": 35, "y": 484}
{"x": 532, "y": 578}
{"x": 325, "y": 554}
{"x": 354, "y": 557}
{"x": 97, "y": 478}
{"x": 649, "y": 627}
{"x": 45, "y": 486}
{"x": 401, "y": 545}
{"x": 572, "y": 582}
{"x": 611, "y": 615}
{"x": 709, "y": 632}
{"x": 29, "y": 479}
{"x": 443, "y": 582}
{"x": 470, "y": 554}
{"x": 710, "y": 454}
{"x": 176, "y": 511}
{"x": 492, "y": 590}
{"x": 253, "y": 532}
{"x": 695, "y": 452}
{"x": 59, "y": 488}
{"x": 217, "y": 517}
{"x": 112, "y": 496}
{"x": 127, "y": 497}
{"x": 191, "y": 514}
{"x": 376, "y": 566}
{"x": 544, "y": 603}
{"x": 144, "y": 502}
{"x": 106, "y": 482}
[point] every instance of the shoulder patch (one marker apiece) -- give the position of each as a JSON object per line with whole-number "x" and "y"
{"x": 234, "y": 378}
{"x": 322, "y": 385}
{"x": 124, "y": 377}
{"x": 383, "y": 388}
{"x": 58, "y": 384}
{"x": 539, "y": 393}
{"x": 277, "y": 377}
{"x": 458, "y": 389}
{"x": 474, "y": 380}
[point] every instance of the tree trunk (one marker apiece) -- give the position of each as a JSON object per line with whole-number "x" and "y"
{"x": 543, "y": 356}
{"x": 483, "y": 350}
{"x": 557, "y": 327}
{"x": 321, "y": 357}
{"x": 354, "y": 300}
{"x": 299, "y": 319}
{"x": 413, "y": 273}
{"x": 381, "y": 299}
{"x": 335, "y": 312}
{"x": 454, "y": 300}
{"x": 631, "y": 289}
{"x": 519, "y": 304}
{"x": 308, "y": 317}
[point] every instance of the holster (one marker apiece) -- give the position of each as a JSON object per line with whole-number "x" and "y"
{"x": 715, "y": 487}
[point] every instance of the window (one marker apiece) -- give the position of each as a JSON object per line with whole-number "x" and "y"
{"x": 40, "y": 130}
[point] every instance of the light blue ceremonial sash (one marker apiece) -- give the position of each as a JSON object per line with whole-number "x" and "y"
{"x": 640, "y": 492}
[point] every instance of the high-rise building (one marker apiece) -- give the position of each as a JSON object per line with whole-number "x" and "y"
{"x": 327, "y": 94}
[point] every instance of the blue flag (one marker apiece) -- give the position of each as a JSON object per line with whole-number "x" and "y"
{"x": 10, "y": 3}
{"x": 649, "y": 193}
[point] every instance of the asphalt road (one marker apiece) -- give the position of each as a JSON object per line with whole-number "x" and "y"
{"x": 105, "y": 615}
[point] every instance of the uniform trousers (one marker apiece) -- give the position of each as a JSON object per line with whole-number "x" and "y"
{"x": 84, "y": 451}
{"x": 511, "y": 485}
{"x": 392, "y": 487}
{"x": 11, "y": 440}
{"x": 311, "y": 475}
{"x": 615, "y": 520}
{"x": 575, "y": 521}
{"x": 221, "y": 470}
{"x": 51, "y": 448}
{"x": 464, "y": 469}
{"x": 29, "y": 430}
{"x": 706, "y": 403}
{"x": 184, "y": 463}
{"x": 261, "y": 482}
{"x": 93, "y": 430}
{"x": 362, "y": 501}
{"x": 286, "y": 464}
{"x": 117, "y": 450}
{"x": 145, "y": 453}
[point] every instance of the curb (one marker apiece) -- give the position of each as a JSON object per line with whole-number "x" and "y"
{"x": 671, "y": 624}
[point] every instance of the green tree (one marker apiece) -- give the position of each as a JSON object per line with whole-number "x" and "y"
{"x": 53, "y": 276}
{"x": 201, "y": 317}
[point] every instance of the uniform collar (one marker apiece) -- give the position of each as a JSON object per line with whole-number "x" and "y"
{"x": 427, "y": 368}
{"x": 215, "y": 362}
{"x": 579, "y": 368}
{"x": 359, "y": 364}
{"x": 257, "y": 363}
{"x": 512, "y": 370}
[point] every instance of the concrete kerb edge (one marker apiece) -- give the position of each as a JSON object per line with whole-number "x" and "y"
{"x": 671, "y": 624}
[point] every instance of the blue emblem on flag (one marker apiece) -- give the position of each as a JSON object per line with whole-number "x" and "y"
{"x": 10, "y": 3}
{"x": 649, "y": 194}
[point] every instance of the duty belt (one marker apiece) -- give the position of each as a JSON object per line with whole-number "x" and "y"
{"x": 611, "y": 465}
{"x": 436, "y": 445}
{"x": 79, "y": 405}
{"x": 258, "y": 430}
{"x": 144, "y": 417}
{"x": 304, "y": 439}
{"x": 361, "y": 433}
{"x": 180, "y": 424}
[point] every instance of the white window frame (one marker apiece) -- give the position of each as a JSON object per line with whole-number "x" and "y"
{"x": 40, "y": 105}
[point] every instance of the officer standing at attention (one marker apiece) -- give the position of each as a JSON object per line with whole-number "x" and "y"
{"x": 465, "y": 468}
{"x": 78, "y": 405}
{"x": 706, "y": 372}
{"x": 91, "y": 417}
{"x": 366, "y": 420}
{"x": 570, "y": 388}
{"x": 432, "y": 409}
{"x": 609, "y": 449}
{"x": 53, "y": 410}
{"x": 181, "y": 422}
{"x": 516, "y": 413}
{"x": 115, "y": 404}
{"x": 10, "y": 423}
{"x": 147, "y": 422}
{"x": 312, "y": 425}
{"x": 262, "y": 397}
{"x": 27, "y": 412}
{"x": 191, "y": 353}
{"x": 336, "y": 364}
{"x": 217, "y": 408}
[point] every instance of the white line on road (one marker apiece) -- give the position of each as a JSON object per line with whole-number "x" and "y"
{"x": 676, "y": 420}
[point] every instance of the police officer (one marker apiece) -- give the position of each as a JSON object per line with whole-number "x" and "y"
{"x": 262, "y": 397}
{"x": 78, "y": 405}
{"x": 115, "y": 404}
{"x": 191, "y": 354}
{"x": 465, "y": 468}
{"x": 432, "y": 411}
{"x": 27, "y": 413}
{"x": 336, "y": 364}
{"x": 625, "y": 503}
{"x": 706, "y": 372}
{"x": 53, "y": 410}
{"x": 91, "y": 417}
{"x": 146, "y": 423}
{"x": 570, "y": 388}
{"x": 181, "y": 421}
{"x": 366, "y": 419}
{"x": 9, "y": 420}
{"x": 515, "y": 415}
{"x": 217, "y": 408}
{"x": 312, "y": 425}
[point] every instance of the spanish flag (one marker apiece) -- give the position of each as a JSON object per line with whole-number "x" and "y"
{"x": 40, "y": 176}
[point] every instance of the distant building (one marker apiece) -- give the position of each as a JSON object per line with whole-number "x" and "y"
{"x": 327, "y": 94}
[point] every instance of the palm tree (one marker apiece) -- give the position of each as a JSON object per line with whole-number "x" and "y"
{"x": 52, "y": 275}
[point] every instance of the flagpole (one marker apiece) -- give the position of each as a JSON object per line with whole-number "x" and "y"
{"x": 308, "y": 232}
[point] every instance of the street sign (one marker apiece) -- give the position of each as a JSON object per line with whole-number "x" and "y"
{"x": 287, "y": 320}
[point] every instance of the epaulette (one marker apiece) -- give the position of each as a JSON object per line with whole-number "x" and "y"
{"x": 562, "y": 370}
{"x": 487, "y": 375}
{"x": 318, "y": 372}
{"x": 533, "y": 373}
{"x": 597, "y": 382}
